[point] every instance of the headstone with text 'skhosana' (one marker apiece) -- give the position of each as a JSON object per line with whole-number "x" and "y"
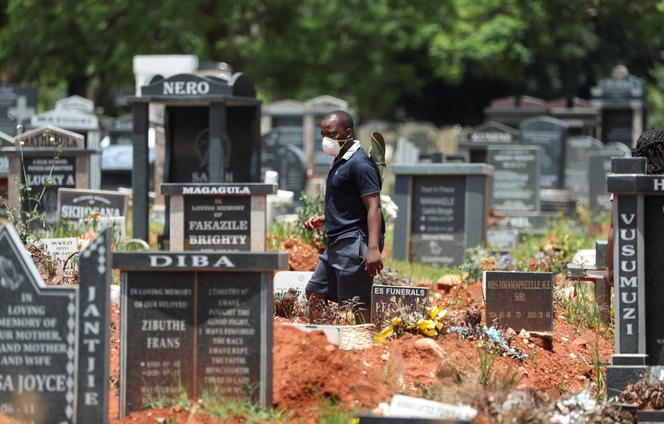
{"x": 218, "y": 216}
{"x": 519, "y": 300}
{"x": 196, "y": 323}
{"x": 46, "y": 331}
{"x": 75, "y": 205}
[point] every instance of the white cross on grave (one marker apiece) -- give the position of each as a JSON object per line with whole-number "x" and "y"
{"x": 21, "y": 111}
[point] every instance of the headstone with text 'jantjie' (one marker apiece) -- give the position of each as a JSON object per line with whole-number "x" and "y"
{"x": 54, "y": 340}
{"x": 443, "y": 211}
{"x": 389, "y": 302}
{"x": 519, "y": 300}
{"x": 577, "y": 162}
{"x": 218, "y": 216}
{"x": 548, "y": 133}
{"x": 195, "y": 323}
{"x": 47, "y": 159}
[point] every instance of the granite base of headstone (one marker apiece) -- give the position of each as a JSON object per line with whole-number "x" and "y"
{"x": 218, "y": 216}
{"x": 54, "y": 339}
{"x": 196, "y": 323}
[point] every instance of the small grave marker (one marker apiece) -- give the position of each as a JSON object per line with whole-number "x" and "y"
{"x": 389, "y": 302}
{"x": 61, "y": 249}
{"x": 519, "y": 300}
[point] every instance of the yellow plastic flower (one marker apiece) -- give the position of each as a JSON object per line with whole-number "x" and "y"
{"x": 396, "y": 321}
{"x": 427, "y": 327}
{"x": 384, "y": 334}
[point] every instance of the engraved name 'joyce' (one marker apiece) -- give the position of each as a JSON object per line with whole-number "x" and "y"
{"x": 182, "y": 261}
{"x": 191, "y": 88}
{"x": 628, "y": 273}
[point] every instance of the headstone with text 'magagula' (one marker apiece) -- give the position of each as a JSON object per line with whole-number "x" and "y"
{"x": 638, "y": 234}
{"x": 47, "y": 159}
{"x": 218, "y": 216}
{"x": 54, "y": 340}
{"x": 212, "y": 134}
{"x": 195, "y": 323}
{"x": 443, "y": 210}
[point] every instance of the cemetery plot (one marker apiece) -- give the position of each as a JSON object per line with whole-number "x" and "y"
{"x": 196, "y": 323}
{"x": 519, "y": 300}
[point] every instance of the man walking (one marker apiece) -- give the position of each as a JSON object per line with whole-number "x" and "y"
{"x": 353, "y": 221}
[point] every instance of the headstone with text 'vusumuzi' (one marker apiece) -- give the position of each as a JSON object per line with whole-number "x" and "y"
{"x": 196, "y": 323}
{"x": 218, "y": 216}
{"x": 47, "y": 159}
{"x": 638, "y": 234}
{"x": 53, "y": 340}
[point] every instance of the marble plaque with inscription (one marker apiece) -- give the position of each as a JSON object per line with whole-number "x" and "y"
{"x": 217, "y": 223}
{"x": 519, "y": 300}
{"x": 438, "y": 222}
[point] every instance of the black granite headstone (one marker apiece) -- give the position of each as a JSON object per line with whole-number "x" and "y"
{"x": 549, "y": 133}
{"x": 217, "y": 223}
{"x": 45, "y": 176}
{"x": 519, "y": 300}
{"x": 578, "y": 152}
{"x": 188, "y": 134}
{"x": 599, "y": 166}
{"x": 654, "y": 295}
{"x": 516, "y": 178}
{"x": 195, "y": 323}
{"x": 74, "y": 205}
{"x": 389, "y": 302}
{"x": 438, "y": 224}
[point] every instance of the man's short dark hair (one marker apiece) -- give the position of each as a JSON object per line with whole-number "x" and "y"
{"x": 650, "y": 145}
{"x": 342, "y": 116}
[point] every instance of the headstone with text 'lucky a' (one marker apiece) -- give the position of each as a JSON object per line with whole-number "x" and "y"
{"x": 218, "y": 216}
{"x": 53, "y": 340}
{"x": 389, "y": 302}
{"x": 519, "y": 300}
{"x": 196, "y": 323}
{"x": 47, "y": 159}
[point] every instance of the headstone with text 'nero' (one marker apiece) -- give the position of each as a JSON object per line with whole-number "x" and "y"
{"x": 54, "y": 340}
{"x": 519, "y": 300}
{"x": 638, "y": 234}
{"x": 548, "y": 133}
{"x": 211, "y": 129}
{"x": 221, "y": 216}
{"x": 196, "y": 323}
{"x": 47, "y": 159}
{"x": 443, "y": 210}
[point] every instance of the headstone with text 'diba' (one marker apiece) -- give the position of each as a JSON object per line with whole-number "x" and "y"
{"x": 638, "y": 234}
{"x": 54, "y": 340}
{"x": 196, "y": 323}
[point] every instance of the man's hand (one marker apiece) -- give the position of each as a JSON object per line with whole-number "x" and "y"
{"x": 373, "y": 263}
{"x": 315, "y": 222}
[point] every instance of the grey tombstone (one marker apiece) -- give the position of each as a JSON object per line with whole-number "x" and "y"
{"x": 195, "y": 322}
{"x": 577, "y": 157}
{"x": 516, "y": 178}
{"x": 47, "y": 331}
{"x": 442, "y": 211}
{"x": 638, "y": 229}
{"x": 599, "y": 166}
{"x": 47, "y": 159}
{"x": 490, "y": 133}
{"x": 17, "y": 104}
{"x": 519, "y": 300}
{"x": 389, "y": 302}
{"x": 218, "y": 216}
{"x": 548, "y": 133}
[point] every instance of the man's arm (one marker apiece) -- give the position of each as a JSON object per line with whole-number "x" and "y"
{"x": 315, "y": 222}
{"x": 374, "y": 262}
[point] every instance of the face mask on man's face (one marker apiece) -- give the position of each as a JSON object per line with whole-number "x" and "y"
{"x": 332, "y": 147}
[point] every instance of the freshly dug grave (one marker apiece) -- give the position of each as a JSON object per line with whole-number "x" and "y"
{"x": 308, "y": 370}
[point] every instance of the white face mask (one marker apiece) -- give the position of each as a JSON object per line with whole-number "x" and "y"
{"x": 332, "y": 147}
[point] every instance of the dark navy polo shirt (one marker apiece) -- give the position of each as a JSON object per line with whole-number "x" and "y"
{"x": 351, "y": 177}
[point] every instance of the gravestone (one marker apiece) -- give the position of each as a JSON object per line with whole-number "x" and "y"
{"x": 47, "y": 159}
{"x": 443, "y": 211}
{"x": 490, "y": 133}
{"x": 212, "y": 134}
{"x": 577, "y": 158}
{"x": 195, "y": 323}
{"x": 406, "y": 152}
{"x": 17, "y": 104}
{"x": 516, "y": 178}
{"x": 75, "y": 205}
{"x": 621, "y": 101}
{"x": 47, "y": 331}
{"x": 281, "y": 153}
{"x": 599, "y": 166}
{"x": 638, "y": 228}
{"x": 548, "y": 133}
{"x": 389, "y": 302}
{"x": 519, "y": 300}
{"x": 228, "y": 217}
